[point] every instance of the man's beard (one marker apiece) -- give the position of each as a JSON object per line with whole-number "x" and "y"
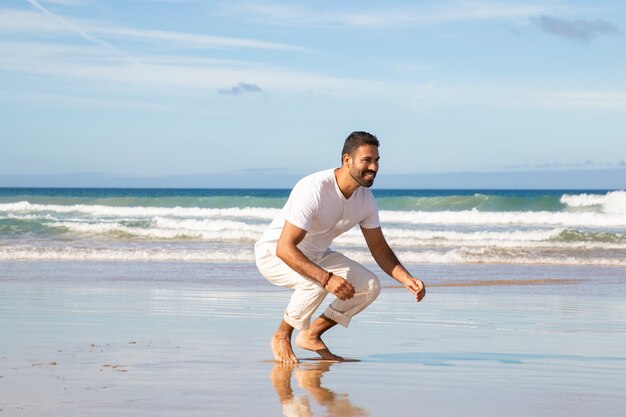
{"x": 359, "y": 177}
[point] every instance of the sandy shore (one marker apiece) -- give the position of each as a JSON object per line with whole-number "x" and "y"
{"x": 81, "y": 342}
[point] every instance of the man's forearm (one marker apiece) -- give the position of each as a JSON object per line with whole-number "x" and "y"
{"x": 297, "y": 261}
{"x": 391, "y": 265}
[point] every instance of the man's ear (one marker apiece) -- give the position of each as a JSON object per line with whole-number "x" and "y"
{"x": 345, "y": 159}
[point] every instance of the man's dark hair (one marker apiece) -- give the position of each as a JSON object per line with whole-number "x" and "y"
{"x": 356, "y": 140}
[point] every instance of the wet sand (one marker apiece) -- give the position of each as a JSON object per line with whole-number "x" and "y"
{"x": 507, "y": 282}
{"x": 137, "y": 340}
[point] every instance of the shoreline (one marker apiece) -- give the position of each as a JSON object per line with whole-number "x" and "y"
{"x": 505, "y": 282}
{"x": 580, "y": 280}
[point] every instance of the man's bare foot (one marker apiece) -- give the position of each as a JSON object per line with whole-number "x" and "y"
{"x": 283, "y": 353}
{"x": 315, "y": 344}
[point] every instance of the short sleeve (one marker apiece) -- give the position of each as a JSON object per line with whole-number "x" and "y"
{"x": 371, "y": 221}
{"x": 304, "y": 202}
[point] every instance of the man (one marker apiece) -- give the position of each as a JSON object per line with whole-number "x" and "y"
{"x": 294, "y": 251}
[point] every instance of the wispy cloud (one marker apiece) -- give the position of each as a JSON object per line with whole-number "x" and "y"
{"x": 68, "y": 2}
{"x": 162, "y": 73}
{"x": 80, "y": 32}
{"x": 46, "y": 23}
{"x": 82, "y": 102}
{"x": 581, "y": 99}
{"x": 549, "y": 166}
{"x": 35, "y": 23}
{"x": 186, "y": 73}
{"x": 241, "y": 88}
{"x": 387, "y": 17}
{"x": 193, "y": 77}
{"x": 190, "y": 40}
{"x": 576, "y": 30}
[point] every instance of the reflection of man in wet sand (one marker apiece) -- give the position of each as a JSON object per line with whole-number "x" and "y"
{"x": 294, "y": 251}
{"x": 309, "y": 378}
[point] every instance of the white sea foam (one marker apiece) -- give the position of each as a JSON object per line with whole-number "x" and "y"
{"x": 487, "y": 256}
{"x": 611, "y": 202}
{"x": 575, "y": 237}
{"x": 527, "y": 218}
{"x": 142, "y": 212}
{"x": 459, "y": 255}
{"x": 207, "y": 225}
{"x": 417, "y": 235}
{"x": 511, "y": 239}
{"x": 220, "y": 233}
{"x": 231, "y": 231}
{"x": 96, "y": 254}
{"x": 31, "y": 216}
{"x": 614, "y": 214}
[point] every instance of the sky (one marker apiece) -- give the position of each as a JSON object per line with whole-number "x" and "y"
{"x": 264, "y": 89}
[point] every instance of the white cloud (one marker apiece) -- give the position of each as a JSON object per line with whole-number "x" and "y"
{"x": 188, "y": 74}
{"x": 19, "y": 21}
{"x": 189, "y": 40}
{"x": 45, "y": 23}
{"x": 582, "y": 99}
{"x": 82, "y": 63}
{"x": 80, "y": 32}
{"x": 81, "y": 102}
{"x": 389, "y": 16}
{"x": 67, "y": 2}
{"x": 192, "y": 76}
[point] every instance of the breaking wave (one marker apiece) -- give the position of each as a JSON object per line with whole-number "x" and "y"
{"x": 473, "y": 227}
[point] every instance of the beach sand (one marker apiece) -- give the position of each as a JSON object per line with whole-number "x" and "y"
{"x": 192, "y": 339}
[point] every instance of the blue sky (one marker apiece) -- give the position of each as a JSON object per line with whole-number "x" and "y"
{"x": 174, "y": 87}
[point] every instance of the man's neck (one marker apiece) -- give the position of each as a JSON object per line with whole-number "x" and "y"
{"x": 347, "y": 185}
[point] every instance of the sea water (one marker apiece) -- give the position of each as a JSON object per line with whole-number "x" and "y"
{"x": 515, "y": 227}
{"x": 162, "y": 283}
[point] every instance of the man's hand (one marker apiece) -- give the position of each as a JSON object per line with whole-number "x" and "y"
{"x": 417, "y": 287}
{"x": 340, "y": 288}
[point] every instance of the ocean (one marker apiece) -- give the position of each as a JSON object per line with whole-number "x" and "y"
{"x": 517, "y": 227}
{"x": 131, "y": 301}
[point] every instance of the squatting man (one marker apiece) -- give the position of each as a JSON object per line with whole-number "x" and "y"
{"x": 295, "y": 252}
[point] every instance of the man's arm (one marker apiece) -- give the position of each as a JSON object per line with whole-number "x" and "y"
{"x": 287, "y": 250}
{"x": 388, "y": 262}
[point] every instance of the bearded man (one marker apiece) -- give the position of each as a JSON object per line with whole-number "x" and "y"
{"x": 295, "y": 252}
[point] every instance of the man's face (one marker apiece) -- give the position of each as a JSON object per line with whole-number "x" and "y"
{"x": 363, "y": 165}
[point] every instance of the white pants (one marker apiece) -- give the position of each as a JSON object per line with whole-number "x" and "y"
{"x": 309, "y": 294}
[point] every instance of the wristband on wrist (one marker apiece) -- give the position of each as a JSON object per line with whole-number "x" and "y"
{"x": 325, "y": 281}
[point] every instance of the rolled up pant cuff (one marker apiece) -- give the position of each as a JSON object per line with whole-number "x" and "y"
{"x": 295, "y": 323}
{"x": 337, "y": 317}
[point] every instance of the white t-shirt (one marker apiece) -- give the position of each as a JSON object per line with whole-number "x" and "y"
{"x": 317, "y": 205}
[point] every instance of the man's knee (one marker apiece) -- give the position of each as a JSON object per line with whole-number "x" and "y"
{"x": 374, "y": 286}
{"x": 368, "y": 284}
{"x": 365, "y": 282}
